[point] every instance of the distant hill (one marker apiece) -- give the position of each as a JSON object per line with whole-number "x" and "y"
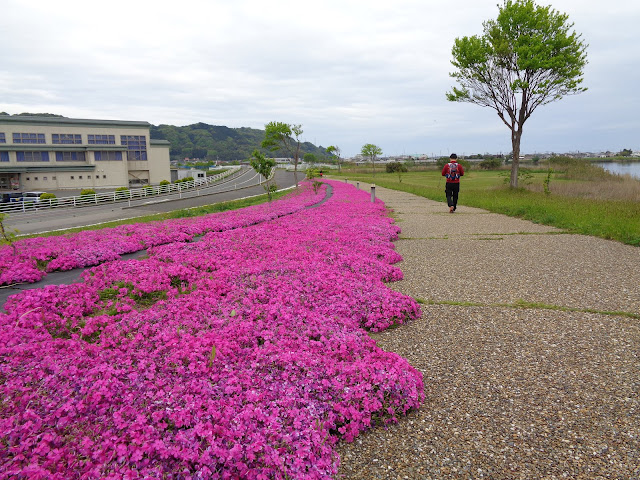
{"x": 214, "y": 142}
{"x": 32, "y": 115}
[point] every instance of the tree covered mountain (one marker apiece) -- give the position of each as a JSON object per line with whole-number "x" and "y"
{"x": 214, "y": 142}
{"x": 210, "y": 142}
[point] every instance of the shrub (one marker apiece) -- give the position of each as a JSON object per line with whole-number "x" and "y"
{"x": 442, "y": 161}
{"x": 490, "y": 164}
{"x": 48, "y": 199}
{"x": 87, "y": 192}
{"x": 182, "y": 180}
{"x": 312, "y": 173}
{"x": 122, "y": 192}
{"x": 165, "y": 182}
{"x": 579, "y": 169}
{"x": 396, "y": 167}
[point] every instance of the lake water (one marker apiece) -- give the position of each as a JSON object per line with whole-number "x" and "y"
{"x": 631, "y": 168}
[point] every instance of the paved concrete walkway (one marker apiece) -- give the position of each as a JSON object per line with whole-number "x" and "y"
{"x": 512, "y": 392}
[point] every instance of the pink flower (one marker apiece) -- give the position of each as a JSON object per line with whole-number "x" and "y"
{"x": 242, "y": 355}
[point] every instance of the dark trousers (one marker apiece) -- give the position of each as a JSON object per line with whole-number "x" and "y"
{"x": 452, "y": 190}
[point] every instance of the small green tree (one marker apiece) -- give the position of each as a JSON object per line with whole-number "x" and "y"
{"x": 7, "y": 236}
{"x": 371, "y": 151}
{"x": 310, "y": 158}
{"x": 397, "y": 167}
{"x": 263, "y": 166}
{"x": 526, "y": 58}
{"x": 279, "y": 135}
{"x": 547, "y": 181}
{"x": 313, "y": 174}
{"x": 334, "y": 151}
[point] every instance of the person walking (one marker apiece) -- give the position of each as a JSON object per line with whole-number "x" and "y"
{"x": 452, "y": 171}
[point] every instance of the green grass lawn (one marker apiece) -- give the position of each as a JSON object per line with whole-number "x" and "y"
{"x": 611, "y": 219}
{"x": 616, "y": 220}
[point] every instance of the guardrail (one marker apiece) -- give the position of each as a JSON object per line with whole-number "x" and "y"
{"x": 27, "y": 205}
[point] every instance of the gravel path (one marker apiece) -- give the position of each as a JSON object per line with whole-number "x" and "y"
{"x": 512, "y": 393}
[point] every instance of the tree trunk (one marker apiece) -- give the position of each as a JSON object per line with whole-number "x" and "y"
{"x": 295, "y": 174}
{"x": 295, "y": 169}
{"x": 515, "y": 144}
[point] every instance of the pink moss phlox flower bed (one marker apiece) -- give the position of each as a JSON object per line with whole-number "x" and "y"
{"x": 37, "y": 256}
{"x": 242, "y": 356}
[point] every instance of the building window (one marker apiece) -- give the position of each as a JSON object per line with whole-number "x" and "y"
{"x": 3, "y": 139}
{"x": 89, "y": 177}
{"x": 35, "y": 178}
{"x": 108, "y": 156}
{"x": 137, "y": 146}
{"x": 79, "y": 177}
{"x": 28, "y": 138}
{"x": 4, "y": 156}
{"x": 44, "y": 179}
{"x": 28, "y": 179}
{"x": 70, "y": 157}
{"x": 32, "y": 156}
{"x": 72, "y": 177}
{"x": 104, "y": 176}
{"x": 66, "y": 138}
{"x": 54, "y": 178}
{"x": 102, "y": 139}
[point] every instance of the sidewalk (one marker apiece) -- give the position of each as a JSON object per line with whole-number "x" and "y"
{"x": 511, "y": 392}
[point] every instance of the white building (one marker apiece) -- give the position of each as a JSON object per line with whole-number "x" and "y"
{"x": 181, "y": 173}
{"x": 56, "y": 153}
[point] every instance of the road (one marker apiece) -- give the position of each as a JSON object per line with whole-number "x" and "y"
{"x": 69, "y": 218}
{"x": 49, "y": 220}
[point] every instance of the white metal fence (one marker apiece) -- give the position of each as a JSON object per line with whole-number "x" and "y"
{"x": 28, "y": 205}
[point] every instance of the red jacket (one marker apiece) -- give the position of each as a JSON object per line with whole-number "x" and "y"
{"x": 446, "y": 172}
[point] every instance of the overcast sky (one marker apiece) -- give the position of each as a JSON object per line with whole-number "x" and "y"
{"x": 350, "y": 71}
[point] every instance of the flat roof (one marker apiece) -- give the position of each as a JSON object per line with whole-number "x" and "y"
{"x": 38, "y": 120}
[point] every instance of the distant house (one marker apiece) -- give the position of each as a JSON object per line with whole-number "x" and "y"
{"x": 54, "y": 153}
{"x": 182, "y": 173}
